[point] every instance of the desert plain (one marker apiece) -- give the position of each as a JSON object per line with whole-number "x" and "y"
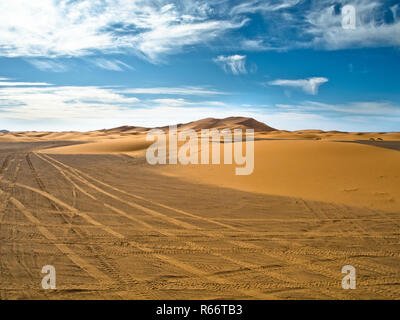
{"x": 115, "y": 227}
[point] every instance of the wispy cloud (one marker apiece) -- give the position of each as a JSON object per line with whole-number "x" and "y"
{"x": 263, "y": 6}
{"x": 48, "y": 65}
{"x": 367, "y": 112}
{"x": 111, "y": 64}
{"x": 318, "y": 24}
{"x": 155, "y": 29}
{"x": 199, "y": 91}
{"x": 351, "y": 116}
{"x": 257, "y": 45}
{"x": 38, "y": 107}
{"x": 179, "y": 102}
{"x": 235, "y": 64}
{"x": 82, "y": 27}
{"x": 309, "y": 85}
{"x": 61, "y": 106}
{"x": 5, "y": 83}
{"x": 367, "y": 108}
{"x": 376, "y": 26}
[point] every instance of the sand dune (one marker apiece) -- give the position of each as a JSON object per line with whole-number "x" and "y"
{"x": 124, "y": 129}
{"x": 313, "y": 164}
{"x": 227, "y": 123}
{"x": 261, "y": 129}
{"x": 341, "y": 172}
{"x": 110, "y": 145}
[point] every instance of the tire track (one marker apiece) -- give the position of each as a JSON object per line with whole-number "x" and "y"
{"x": 103, "y": 261}
{"x": 94, "y": 272}
{"x": 42, "y": 186}
{"x": 78, "y": 174}
{"x": 191, "y": 244}
{"x": 375, "y": 236}
{"x": 5, "y": 164}
{"x": 6, "y": 196}
{"x": 321, "y": 215}
{"x": 242, "y": 244}
{"x": 67, "y": 219}
{"x": 374, "y": 267}
{"x": 182, "y": 265}
{"x": 15, "y": 254}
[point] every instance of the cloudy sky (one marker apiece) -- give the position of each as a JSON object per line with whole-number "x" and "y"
{"x": 294, "y": 64}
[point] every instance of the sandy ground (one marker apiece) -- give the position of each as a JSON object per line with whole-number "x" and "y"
{"x": 117, "y": 228}
{"x": 353, "y": 174}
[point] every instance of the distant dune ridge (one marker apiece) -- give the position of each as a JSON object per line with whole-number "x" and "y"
{"x": 125, "y": 129}
{"x": 227, "y": 123}
{"x": 207, "y": 123}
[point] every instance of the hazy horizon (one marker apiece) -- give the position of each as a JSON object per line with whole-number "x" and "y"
{"x": 2, "y": 130}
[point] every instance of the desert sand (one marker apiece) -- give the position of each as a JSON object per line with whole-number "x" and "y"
{"x": 117, "y": 228}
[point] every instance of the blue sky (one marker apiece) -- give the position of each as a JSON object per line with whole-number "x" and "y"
{"x": 93, "y": 64}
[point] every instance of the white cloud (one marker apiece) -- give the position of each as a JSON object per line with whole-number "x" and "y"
{"x": 235, "y": 64}
{"x": 171, "y": 38}
{"x": 5, "y": 83}
{"x": 263, "y": 6}
{"x": 352, "y": 116}
{"x": 318, "y": 25}
{"x": 155, "y": 29}
{"x": 172, "y": 102}
{"x": 47, "y": 65}
{"x": 257, "y": 45}
{"x": 179, "y": 102}
{"x": 52, "y": 107}
{"x": 54, "y": 28}
{"x": 367, "y": 108}
{"x": 200, "y": 91}
{"x": 111, "y": 64}
{"x": 371, "y": 30}
{"x": 52, "y": 97}
{"x": 92, "y": 107}
{"x": 309, "y": 85}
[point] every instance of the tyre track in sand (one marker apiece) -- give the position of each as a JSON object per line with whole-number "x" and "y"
{"x": 4, "y": 166}
{"x": 338, "y": 213}
{"x": 95, "y": 251}
{"x": 80, "y": 262}
{"x": 62, "y": 247}
{"x": 376, "y": 268}
{"x": 4, "y": 202}
{"x": 248, "y": 266}
{"x": 334, "y": 282}
{"x": 182, "y": 265}
{"x": 15, "y": 252}
{"x": 368, "y": 265}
